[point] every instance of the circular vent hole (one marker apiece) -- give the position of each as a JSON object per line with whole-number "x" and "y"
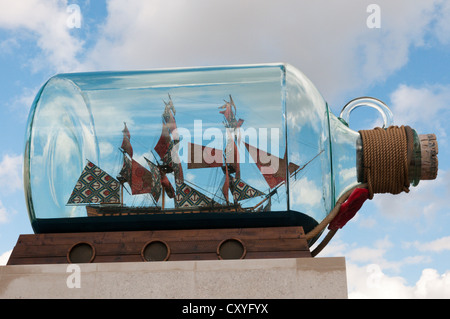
{"x": 155, "y": 251}
{"x": 81, "y": 253}
{"x": 231, "y": 249}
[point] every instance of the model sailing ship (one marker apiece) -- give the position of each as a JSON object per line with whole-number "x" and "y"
{"x": 103, "y": 195}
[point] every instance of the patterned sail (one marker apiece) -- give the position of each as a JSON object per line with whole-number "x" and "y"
{"x": 163, "y": 145}
{"x": 155, "y": 183}
{"x": 241, "y": 190}
{"x": 95, "y": 186}
{"x": 141, "y": 179}
{"x": 187, "y": 196}
{"x": 178, "y": 171}
{"x": 125, "y": 173}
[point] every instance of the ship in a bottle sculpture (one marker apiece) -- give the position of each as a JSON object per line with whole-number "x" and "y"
{"x": 103, "y": 194}
{"x": 207, "y": 148}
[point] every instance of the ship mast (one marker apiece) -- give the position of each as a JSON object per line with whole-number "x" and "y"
{"x": 228, "y": 159}
{"x": 231, "y": 151}
{"x": 140, "y": 179}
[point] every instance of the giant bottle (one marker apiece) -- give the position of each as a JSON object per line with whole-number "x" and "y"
{"x": 234, "y": 146}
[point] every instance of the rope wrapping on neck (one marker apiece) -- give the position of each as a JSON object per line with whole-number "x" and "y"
{"x": 386, "y": 155}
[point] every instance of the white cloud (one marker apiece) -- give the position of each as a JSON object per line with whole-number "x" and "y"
{"x": 374, "y": 254}
{"x": 433, "y": 285}
{"x": 11, "y": 171}
{"x": 364, "y": 254}
{"x": 8, "y": 46}
{"x": 422, "y": 204}
{"x": 5, "y": 257}
{"x": 423, "y": 108}
{"x": 46, "y": 22}
{"x": 346, "y": 174}
{"x": 370, "y": 281}
{"x": 367, "y": 278}
{"x": 437, "y": 245}
{"x": 367, "y": 222}
{"x": 3, "y": 214}
{"x": 106, "y": 148}
{"x": 305, "y": 192}
{"x": 146, "y": 34}
{"x": 442, "y": 27}
{"x": 22, "y": 103}
{"x": 404, "y": 25}
{"x": 11, "y": 174}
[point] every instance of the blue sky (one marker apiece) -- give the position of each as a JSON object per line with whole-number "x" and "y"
{"x": 397, "y": 246}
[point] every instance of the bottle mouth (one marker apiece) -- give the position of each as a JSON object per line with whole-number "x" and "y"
{"x": 428, "y": 154}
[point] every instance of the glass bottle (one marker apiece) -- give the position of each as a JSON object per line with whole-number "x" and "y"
{"x": 212, "y": 147}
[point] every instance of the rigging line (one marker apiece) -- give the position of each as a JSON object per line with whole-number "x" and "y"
{"x": 215, "y": 184}
{"x": 151, "y": 197}
{"x": 129, "y": 193}
{"x": 302, "y": 167}
{"x": 216, "y": 196}
{"x": 192, "y": 184}
{"x": 156, "y": 159}
{"x": 118, "y": 160}
{"x": 274, "y": 190}
{"x": 297, "y": 175}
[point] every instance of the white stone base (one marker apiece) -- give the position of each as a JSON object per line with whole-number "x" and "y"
{"x": 250, "y": 278}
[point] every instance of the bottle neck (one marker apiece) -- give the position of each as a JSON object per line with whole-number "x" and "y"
{"x": 390, "y": 160}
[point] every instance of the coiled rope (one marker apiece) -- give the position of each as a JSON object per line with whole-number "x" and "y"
{"x": 386, "y": 155}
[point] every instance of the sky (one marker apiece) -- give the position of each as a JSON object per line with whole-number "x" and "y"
{"x": 397, "y": 246}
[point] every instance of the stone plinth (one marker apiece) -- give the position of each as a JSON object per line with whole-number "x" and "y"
{"x": 252, "y": 278}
